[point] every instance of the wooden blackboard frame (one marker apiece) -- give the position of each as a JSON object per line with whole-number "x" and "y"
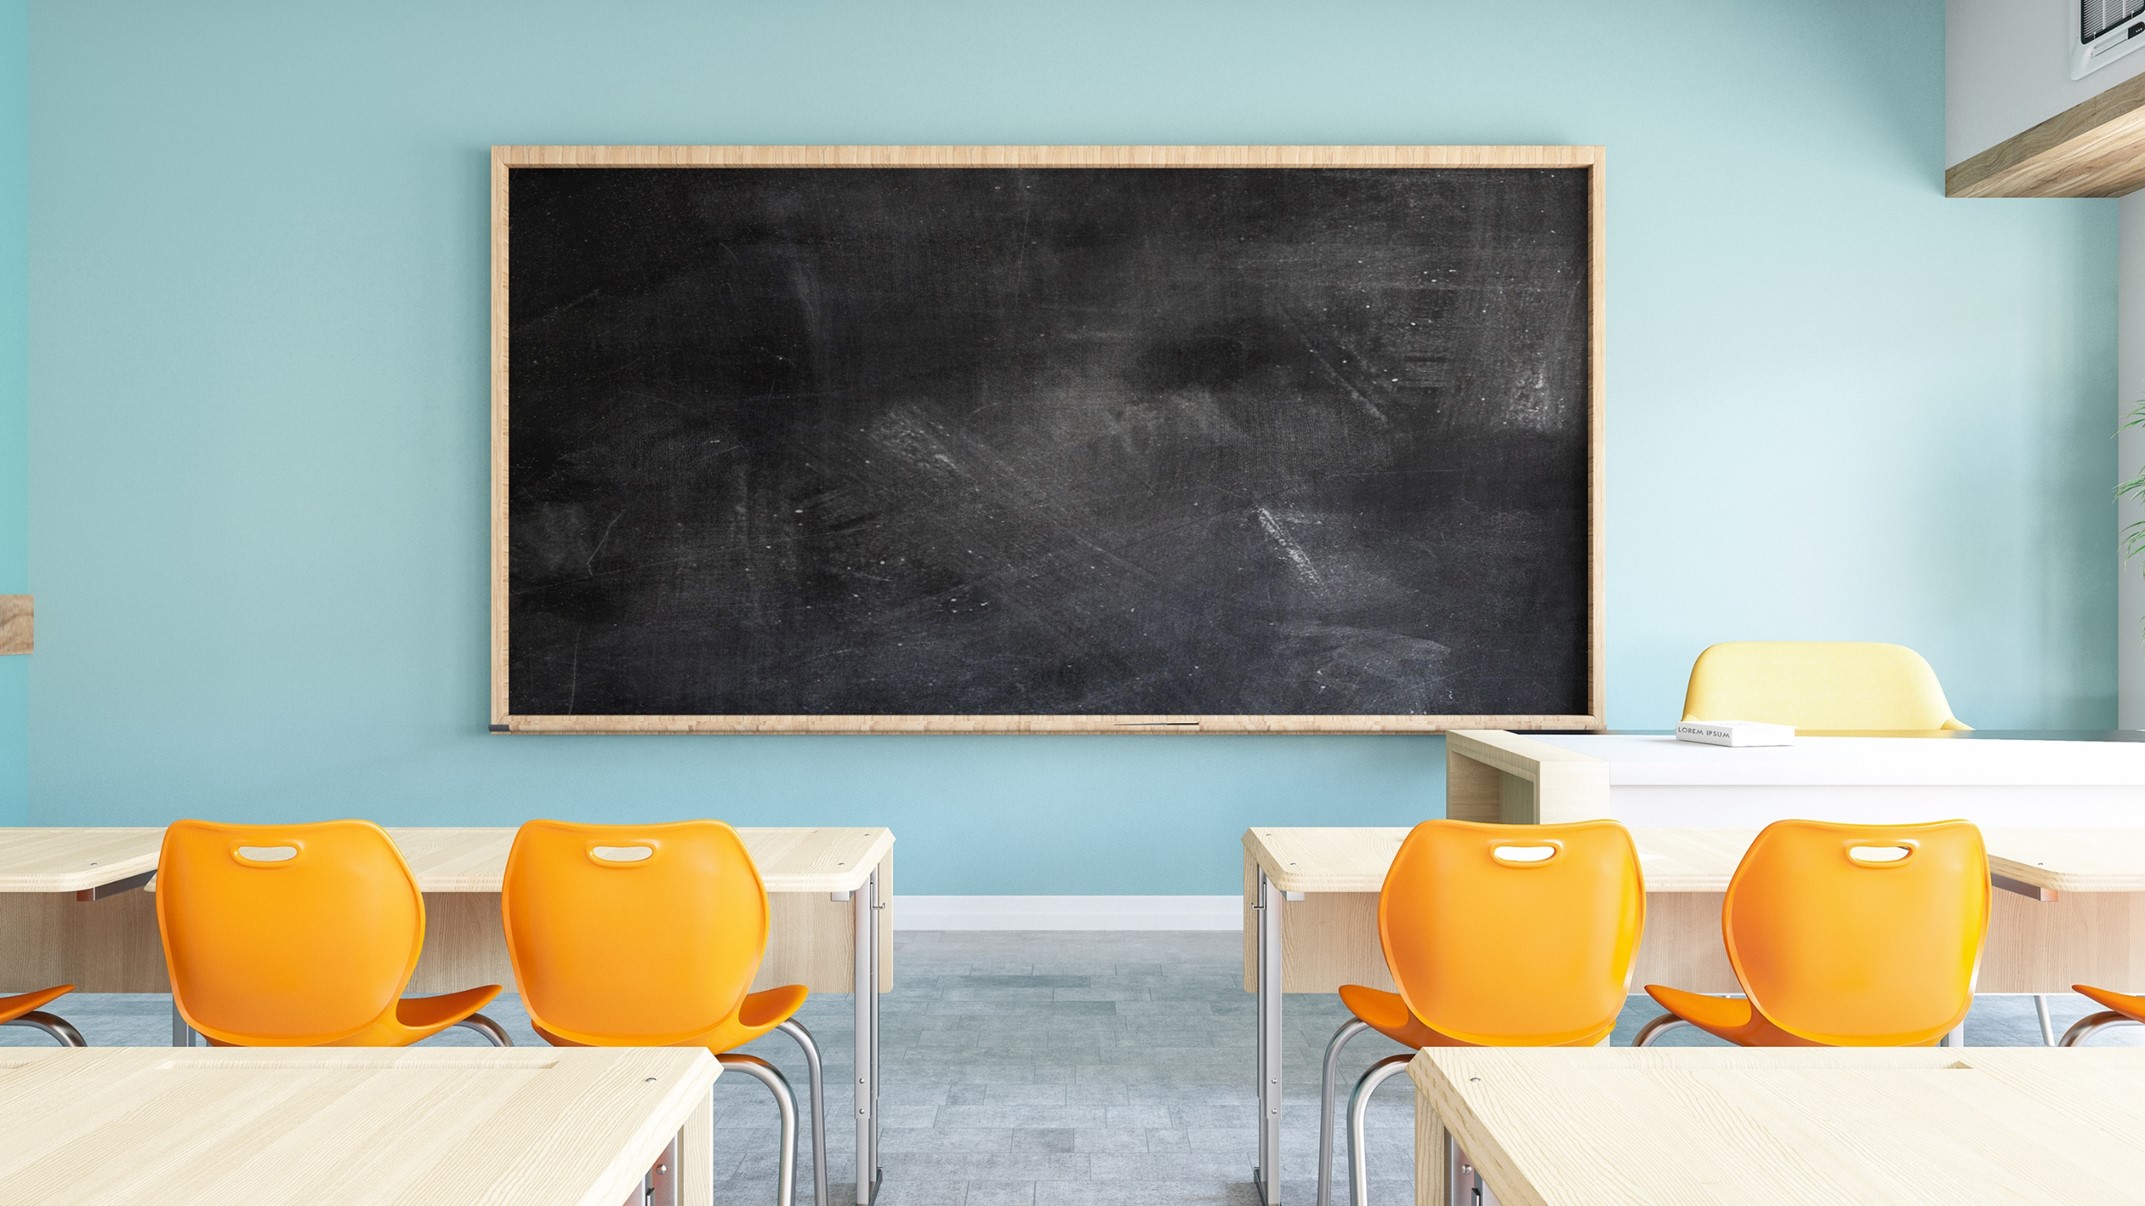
{"x": 508, "y": 159}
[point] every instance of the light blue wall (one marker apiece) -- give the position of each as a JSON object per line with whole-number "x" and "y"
{"x": 1839, "y": 404}
{"x": 14, "y": 398}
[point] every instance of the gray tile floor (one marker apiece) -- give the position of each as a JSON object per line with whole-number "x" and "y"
{"x": 1052, "y": 1068}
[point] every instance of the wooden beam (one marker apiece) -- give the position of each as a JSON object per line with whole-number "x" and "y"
{"x": 2095, "y": 148}
{"x": 16, "y": 635}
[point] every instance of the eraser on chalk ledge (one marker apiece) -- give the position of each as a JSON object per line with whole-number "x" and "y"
{"x": 1735, "y": 732}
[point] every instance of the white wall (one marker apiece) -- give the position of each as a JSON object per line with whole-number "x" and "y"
{"x": 2007, "y": 68}
{"x": 2130, "y": 457}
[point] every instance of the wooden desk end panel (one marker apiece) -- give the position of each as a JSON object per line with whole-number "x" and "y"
{"x": 812, "y": 940}
{"x": 696, "y": 1170}
{"x": 1431, "y": 1175}
{"x": 1328, "y": 939}
{"x": 33, "y": 945}
{"x": 2084, "y": 938}
{"x": 465, "y": 944}
{"x": 108, "y": 945}
{"x": 1492, "y": 775}
{"x": 1682, "y": 946}
{"x": 1474, "y": 791}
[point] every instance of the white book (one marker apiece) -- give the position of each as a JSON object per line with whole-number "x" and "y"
{"x": 1735, "y": 732}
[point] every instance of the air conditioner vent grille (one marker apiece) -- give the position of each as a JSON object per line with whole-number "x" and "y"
{"x": 2096, "y": 17}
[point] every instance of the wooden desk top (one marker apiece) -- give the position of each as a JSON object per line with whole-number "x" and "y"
{"x": 74, "y": 860}
{"x": 1660, "y": 760}
{"x": 1356, "y": 859}
{"x": 831, "y": 859}
{"x": 2070, "y": 860}
{"x": 126, "y": 1125}
{"x": 1610, "y": 1125}
{"x": 1702, "y": 860}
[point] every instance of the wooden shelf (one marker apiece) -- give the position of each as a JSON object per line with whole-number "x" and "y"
{"x": 2095, "y": 148}
{"x": 16, "y": 629}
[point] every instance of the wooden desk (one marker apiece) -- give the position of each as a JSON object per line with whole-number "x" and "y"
{"x": 1594, "y": 1125}
{"x": 1650, "y": 779}
{"x": 828, "y": 893}
{"x": 582, "y": 1127}
{"x": 2073, "y": 915}
{"x": 829, "y": 890}
{"x": 812, "y": 935}
{"x": 1311, "y": 925}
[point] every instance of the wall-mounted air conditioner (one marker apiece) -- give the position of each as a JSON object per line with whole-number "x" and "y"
{"x": 2107, "y": 30}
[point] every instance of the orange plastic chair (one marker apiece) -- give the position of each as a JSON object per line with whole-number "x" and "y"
{"x": 2118, "y": 1009}
{"x": 1846, "y": 936}
{"x": 27, "y": 1011}
{"x": 650, "y": 936}
{"x": 1496, "y": 935}
{"x": 300, "y": 936}
{"x": 1841, "y": 686}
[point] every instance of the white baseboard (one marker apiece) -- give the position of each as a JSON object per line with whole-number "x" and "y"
{"x": 1068, "y": 912}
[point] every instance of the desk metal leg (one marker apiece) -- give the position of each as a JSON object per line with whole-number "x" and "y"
{"x": 660, "y": 1186}
{"x": 1266, "y": 1177}
{"x": 1459, "y": 1177}
{"x": 864, "y": 905}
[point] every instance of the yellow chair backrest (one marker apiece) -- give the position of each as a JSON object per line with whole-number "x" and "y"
{"x": 1514, "y": 934}
{"x": 1860, "y": 935}
{"x": 647, "y": 933}
{"x": 286, "y": 935}
{"x": 1841, "y": 686}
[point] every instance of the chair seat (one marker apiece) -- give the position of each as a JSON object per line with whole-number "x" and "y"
{"x": 415, "y": 1020}
{"x": 758, "y": 1014}
{"x": 1388, "y": 1014}
{"x": 1730, "y": 1018}
{"x": 30, "y": 1002}
{"x": 1734, "y": 1019}
{"x": 2123, "y": 1003}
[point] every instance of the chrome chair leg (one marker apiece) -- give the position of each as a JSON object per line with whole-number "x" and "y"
{"x": 1358, "y": 1102}
{"x": 59, "y": 1028}
{"x": 2048, "y": 1028}
{"x": 1326, "y": 1094}
{"x": 786, "y": 1102}
{"x": 492, "y": 1031}
{"x": 1656, "y": 1028}
{"x": 2092, "y": 1024}
{"x": 795, "y": 1029}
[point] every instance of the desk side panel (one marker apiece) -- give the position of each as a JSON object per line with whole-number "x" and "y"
{"x": 1682, "y": 946}
{"x": 1328, "y": 939}
{"x": 108, "y": 945}
{"x": 2084, "y": 938}
{"x": 1474, "y": 791}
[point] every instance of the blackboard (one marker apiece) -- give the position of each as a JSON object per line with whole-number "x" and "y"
{"x": 1155, "y": 439}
